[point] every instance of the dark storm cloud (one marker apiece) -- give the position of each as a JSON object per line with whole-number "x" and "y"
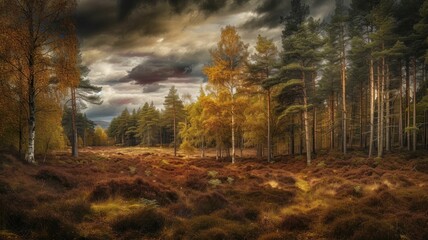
{"x": 157, "y": 70}
{"x": 269, "y": 14}
{"x": 95, "y": 17}
{"x": 146, "y": 17}
{"x": 149, "y": 88}
{"x": 104, "y": 111}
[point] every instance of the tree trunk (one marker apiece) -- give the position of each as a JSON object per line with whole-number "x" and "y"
{"x": 269, "y": 137}
{"x": 343, "y": 76}
{"x": 31, "y": 93}
{"x": 380, "y": 111}
{"x": 400, "y": 114}
{"x": 74, "y": 139}
{"x": 387, "y": 116}
{"x": 332, "y": 121}
{"x": 175, "y": 135}
{"x": 314, "y": 131}
{"x": 306, "y": 122}
{"x": 414, "y": 105}
{"x": 361, "y": 115}
{"x": 292, "y": 143}
{"x": 233, "y": 129}
{"x": 408, "y": 104}
{"x": 371, "y": 108}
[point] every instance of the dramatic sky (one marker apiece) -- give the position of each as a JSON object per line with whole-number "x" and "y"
{"x": 137, "y": 49}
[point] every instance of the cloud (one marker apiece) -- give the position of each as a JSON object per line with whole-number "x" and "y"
{"x": 150, "y": 88}
{"x": 157, "y": 69}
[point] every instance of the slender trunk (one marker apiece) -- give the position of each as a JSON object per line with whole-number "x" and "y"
{"x": 361, "y": 115}
{"x": 302, "y": 128}
{"x": 306, "y": 122}
{"x": 414, "y": 105}
{"x": 175, "y": 134}
{"x": 74, "y": 139}
{"x": 292, "y": 143}
{"x": 343, "y": 72}
{"x": 408, "y": 104}
{"x": 425, "y": 128}
{"x": 400, "y": 114}
{"x": 268, "y": 126}
{"x": 387, "y": 116}
{"x": 332, "y": 121}
{"x": 371, "y": 108}
{"x": 380, "y": 112}
{"x": 31, "y": 93}
{"x": 233, "y": 126}
{"x": 314, "y": 131}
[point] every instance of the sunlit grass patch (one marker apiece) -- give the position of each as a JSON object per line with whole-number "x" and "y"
{"x": 115, "y": 207}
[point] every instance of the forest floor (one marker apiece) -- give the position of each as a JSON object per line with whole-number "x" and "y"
{"x": 141, "y": 193}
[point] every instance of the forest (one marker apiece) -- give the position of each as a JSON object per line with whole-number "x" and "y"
{"x": 320, "y": 135}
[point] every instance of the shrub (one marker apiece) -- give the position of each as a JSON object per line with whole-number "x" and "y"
{"x": 270, "y": 195}
{"x": 47, "y": 224}
{"x": 334, "y": 213}
{"x": 208, "y": 203}
{"x": 136, "y": 189}
{"x": 278, "y": 236}
{"x": 375, "y": 230}
{"x": 361, "y": 227}
{"x": 212, "y": 234}
{"x": 76, "y": 209}
{"x": 55, "y": 177}
{"x": 196, "y": 182}
{"x": 4, "y": 187}
{"x": 296, "y": 222}
{"x": 146, "y": 221}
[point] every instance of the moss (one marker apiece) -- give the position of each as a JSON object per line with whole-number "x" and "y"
{"x": 208, "y": 203}
{"x": 278, "y": 236}
{"x": 214, "y": 227}
{"x": 133, "y": 189}
{"x": 113, "y": 208}
{"x": 362, "y": 227}
{"x": 375, "y": 230}
{"x": 56, "y": 177}
{"x": 146, "y": 221}
{"x": 296, "y": 222}
{"x": 47, "y": 224}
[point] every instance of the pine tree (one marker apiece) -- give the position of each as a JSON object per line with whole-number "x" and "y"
{"x": 264, "y": 60}
{"x": 174, "y": 112}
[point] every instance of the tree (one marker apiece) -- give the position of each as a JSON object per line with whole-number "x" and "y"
{"x": 37, "y": 31}
{"x": 227, "y": 69}
{"x": 264, "y": 61}
{"x": 174, "y": 112}
{"x": 301, "y": 56}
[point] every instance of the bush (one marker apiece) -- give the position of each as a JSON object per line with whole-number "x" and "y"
{"x": 206, "y": 227}
{"x": 49, "y": 225}
{"x": 56, "y": 177}
{"x": 208, "y": 203}
{"x": 146, "y": 221}
{"x": 196, "y": 182}
{"x": 361, "y": 227}
{"x": 5, "y": 188}
{"x": 76, "y": 210}
{"x": 212, "y": 234}
{"x": 270, "y": 195}
{"x": 375, "y": 230}
{"x": 296, "y": 222}
{"x": 133, "y": 190}
{"x": 278, "y": 236}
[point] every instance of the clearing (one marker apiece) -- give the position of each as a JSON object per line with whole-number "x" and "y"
{"x": 141, "y": 193}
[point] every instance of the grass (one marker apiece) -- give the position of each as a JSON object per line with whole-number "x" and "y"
{"x": 117, "y": 193}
